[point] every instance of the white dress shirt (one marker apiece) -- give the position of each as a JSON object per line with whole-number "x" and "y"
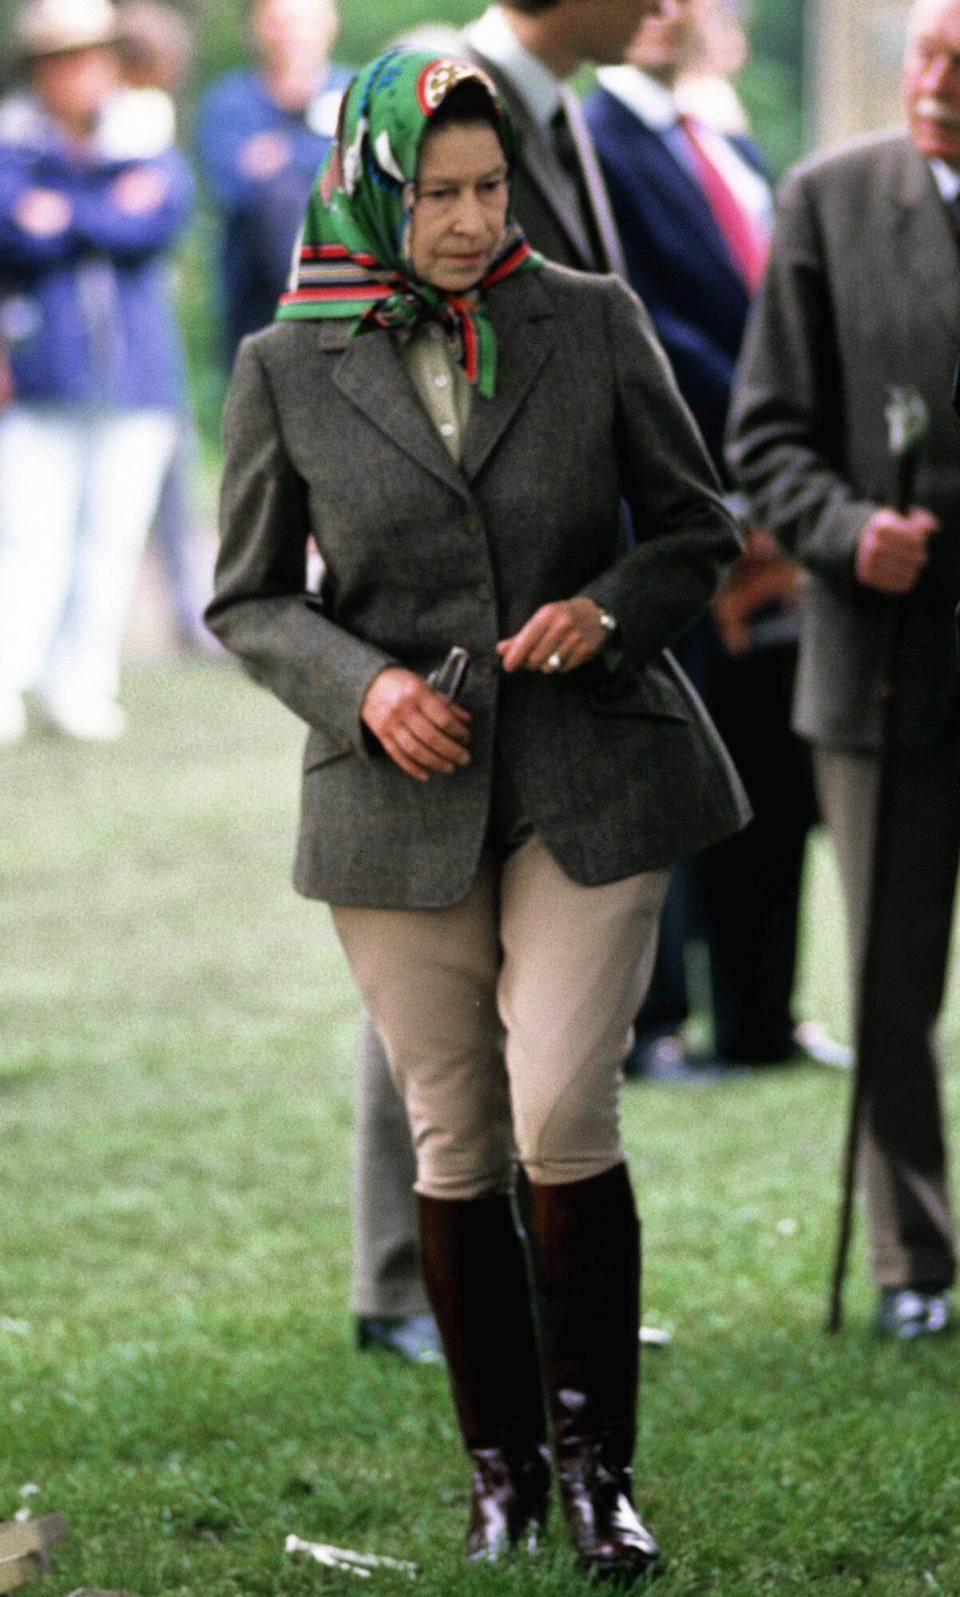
{"x": 947, "y": 179}
{"x": 655, "y": 105}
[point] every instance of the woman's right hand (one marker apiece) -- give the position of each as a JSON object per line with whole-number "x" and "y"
{"x": 419, "y": 729}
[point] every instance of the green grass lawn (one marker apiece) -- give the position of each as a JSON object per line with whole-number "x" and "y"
{"x": 176, "y": 1373}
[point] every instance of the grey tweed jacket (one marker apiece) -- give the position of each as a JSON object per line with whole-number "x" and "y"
{"x": 862, "y": 293}
{"x": 619, "y": 772}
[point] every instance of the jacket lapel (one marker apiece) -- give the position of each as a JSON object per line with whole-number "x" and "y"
{"x": 521, "y": 314}
{"x": 370, "y": 372}
{"x": 596, "y": 188}
{"x": 544, "y": 172}
{"x": 929, "y": 246}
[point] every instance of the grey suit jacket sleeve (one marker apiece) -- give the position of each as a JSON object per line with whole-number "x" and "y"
{"x": 319, "y": 670}
{"x": 786, "y": 429}
{"x": 685, "y": 536}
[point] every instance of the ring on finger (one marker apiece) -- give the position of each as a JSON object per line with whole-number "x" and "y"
{"x": 555, "y": 661}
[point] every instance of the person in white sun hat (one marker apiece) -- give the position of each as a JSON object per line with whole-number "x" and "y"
{"x": 85, "y": 318}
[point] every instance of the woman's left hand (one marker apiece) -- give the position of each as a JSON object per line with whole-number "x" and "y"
{"x": 569, "y": 632}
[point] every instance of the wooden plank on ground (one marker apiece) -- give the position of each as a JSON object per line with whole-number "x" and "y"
{"x": 16, "y": 1572}
{"x": 31, "y": 1535}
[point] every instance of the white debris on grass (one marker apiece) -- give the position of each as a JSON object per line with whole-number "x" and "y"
{"x": 343, "y": 1558}
{"x": 655, "y": 1336}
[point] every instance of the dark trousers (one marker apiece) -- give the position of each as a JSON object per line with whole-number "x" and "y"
{"x": 742, "y": 897}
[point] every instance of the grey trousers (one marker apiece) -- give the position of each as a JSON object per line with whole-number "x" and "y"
{"x": 386, "y": 1249}
{"x": 903, "y": 1156}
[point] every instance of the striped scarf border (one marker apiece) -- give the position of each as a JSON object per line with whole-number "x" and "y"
{"x": 329, "y": 274}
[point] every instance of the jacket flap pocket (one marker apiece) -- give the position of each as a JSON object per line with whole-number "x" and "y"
{"x": 652, "y": 692}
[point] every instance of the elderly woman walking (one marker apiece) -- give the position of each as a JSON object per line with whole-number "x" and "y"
{"x": 456, "y": 423}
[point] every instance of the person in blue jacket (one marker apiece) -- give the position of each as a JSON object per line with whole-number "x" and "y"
{"x": 88, "y": 326}
{"x": 262, "y": 133}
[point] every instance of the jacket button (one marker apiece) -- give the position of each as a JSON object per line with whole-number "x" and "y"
{"x": 474, "y": 524}
{"x": 485, "y": 593}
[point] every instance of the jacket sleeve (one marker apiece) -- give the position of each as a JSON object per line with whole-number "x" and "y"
{"x": 317, "y": 669}
{"x": 685, "y": 537}
{"x": 96, "y": 222}
{"x": 225, "y": 121}
{"x": 227, "y": 118}
{"x": 100, "y": 224}
{"x": 20, "y": 249}
{"x": 786, "y": 429}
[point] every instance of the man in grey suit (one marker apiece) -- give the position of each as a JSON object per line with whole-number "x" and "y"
{"x": 863, "y": 292}
{"x": 530, "y": 48}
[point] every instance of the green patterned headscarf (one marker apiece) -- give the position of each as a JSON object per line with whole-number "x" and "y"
{"x": 353, "y": 256}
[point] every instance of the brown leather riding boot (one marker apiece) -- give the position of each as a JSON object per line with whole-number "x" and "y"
{"x": 587, "y": 1248}
{"x": 475, "y": 1271}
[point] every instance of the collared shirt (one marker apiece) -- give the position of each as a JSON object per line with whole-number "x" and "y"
{"x": 947, "y": 179}
{"x": 651, "y": 101}
{"x": 441, "y": 383}
{"x": 656, "y": 106}
{"x": 536, "y": 85}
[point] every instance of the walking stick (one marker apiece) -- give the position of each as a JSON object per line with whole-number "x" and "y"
{"x": 907, "y": 423}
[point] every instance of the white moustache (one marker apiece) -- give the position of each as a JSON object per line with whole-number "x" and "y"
{"x": 934, "y": 110}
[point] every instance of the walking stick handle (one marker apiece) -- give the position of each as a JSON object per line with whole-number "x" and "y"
{"x": 908, "y": 421}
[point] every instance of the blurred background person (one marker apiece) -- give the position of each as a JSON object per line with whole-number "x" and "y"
{"x": 156, "y": 57}
{"x": 261, "y": 134}
{"x": 705, "y": 86}
{"x": 85, "y": 227}
{"x": 439, "y": 36}
{"x": 694, "y": 210}
{"x": 532, "y": 48}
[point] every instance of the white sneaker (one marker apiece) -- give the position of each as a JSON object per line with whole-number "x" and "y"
{"x": 91, "y": 716}
{"x": 13, "y": 719}
{"x": 815, "y": 1042}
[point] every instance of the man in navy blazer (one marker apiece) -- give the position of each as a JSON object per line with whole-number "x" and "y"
{"x": 677, "y": 258}
{"x": 693, "y": 208}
